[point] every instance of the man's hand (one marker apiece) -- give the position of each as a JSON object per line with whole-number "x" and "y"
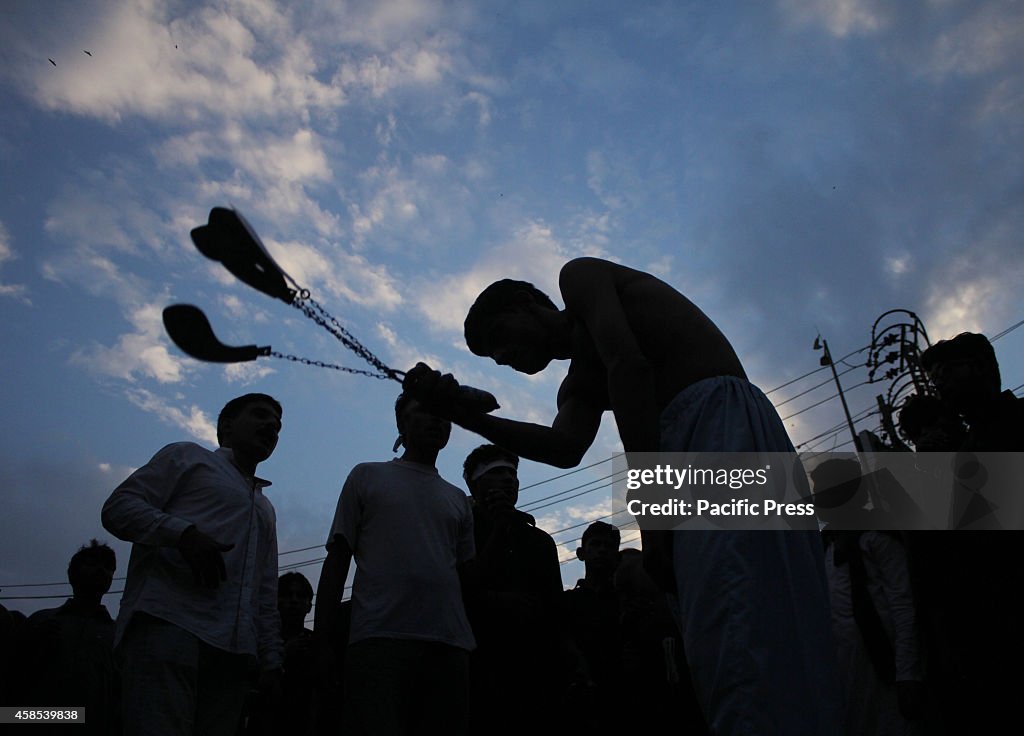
{"x": 435, "y": 391}
{"x": 269, "y": 688}
{"x": 205, "y": 556}
{"x": 443, "y": 396}
{"x": 910, "y": 696}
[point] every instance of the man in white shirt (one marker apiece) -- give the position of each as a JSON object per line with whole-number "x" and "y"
{"x": 407, "y": 663}
{"x": 199, "y": 610}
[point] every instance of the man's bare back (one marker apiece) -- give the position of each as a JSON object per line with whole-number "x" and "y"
{"x": 680, "y": 343}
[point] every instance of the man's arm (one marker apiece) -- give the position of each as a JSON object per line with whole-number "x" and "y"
{"x": 591, "y": 290}
{"x": 134, "y": 512}
{"x": 563, "y": 444}
{"x": 329, "y": 589}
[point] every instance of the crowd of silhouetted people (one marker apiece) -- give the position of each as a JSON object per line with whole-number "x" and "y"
{"x": 457, "y": 620}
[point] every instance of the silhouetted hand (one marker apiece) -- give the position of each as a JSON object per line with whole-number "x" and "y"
{"x": 269, "y": 688}
{"x": 910, "y": 694}
{"x": 435, "y": 391}
{"x": 205, "y": 556}
{"x": 443, "y": 396}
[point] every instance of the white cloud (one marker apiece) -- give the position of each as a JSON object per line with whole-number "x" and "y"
{"x": 533, "y": 254}
{"x": 898, "y": 265}
{"x": 343, "y": 274}
{"x": 16, "y": 291}
{"x": 841, "y": 18}
{"x": 986, "y": 40}
{"x": 140, "y": 353}
{"x": 193, "y": 419}
{"x": 959, "y": 306}
{"x": 236, "y": 61}
{"x": 409, "y": 65}
{"x": 247, "y": 373}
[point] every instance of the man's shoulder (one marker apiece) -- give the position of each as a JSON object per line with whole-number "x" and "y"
{"x": 184, "y": 449}
{"x": 43, "y": 615}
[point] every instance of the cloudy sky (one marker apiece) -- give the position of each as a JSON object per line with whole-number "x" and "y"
{"x": 797, "y": 167}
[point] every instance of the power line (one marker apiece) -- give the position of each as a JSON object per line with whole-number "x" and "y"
{"x": 1007, "y": 331}
{"x": 816, "y": 386}
{"x": 816, "y": 370}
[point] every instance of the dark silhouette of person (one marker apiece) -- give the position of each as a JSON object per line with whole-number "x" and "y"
{"x": 874, "y": 614}
{"x": 656, "y": 686}
{"x": 965, "y": 373}
{"x": 408, "y": 529}
{"x": 753, "y": 605}
{"x": 67, "y": 653}
{"x": 593, "y": 623}
{"x": 982, "y": 591}
{"x": 293, "y": 713}
{"x": 511, "y": 591}
{"x": 12, "y": 624}
{"x": 931, "y": 424}
{"x": 198, "y": 620}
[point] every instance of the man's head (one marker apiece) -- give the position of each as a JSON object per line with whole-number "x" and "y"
{"x": 931, "y": 424}
{"x": 418, "y": 429}
{"x": 491, "y": 474}
{"x": 506, "y": 324}
{"x": 599, "y": 549}
{"x": 294, "y": 596}
{"x": 91, "y": 570}
{"x": 964, "y": 370}
{"x": 838, "y": 489}
{"x": 250, "y": 425}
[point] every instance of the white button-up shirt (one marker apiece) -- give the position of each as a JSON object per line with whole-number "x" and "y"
{"x": 185, "y": 485}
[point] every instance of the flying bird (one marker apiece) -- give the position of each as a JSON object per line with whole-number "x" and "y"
{"x": 87, "y": 53}
{"x": 51, "y": 61}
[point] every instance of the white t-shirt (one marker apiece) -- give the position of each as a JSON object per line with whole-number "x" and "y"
{"x": 408, "y": 529}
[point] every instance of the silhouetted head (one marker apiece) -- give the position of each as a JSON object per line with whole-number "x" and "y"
{"x": 599, "y": 549}
{"x": 418, "y": 429}
{"x": 838, "y": 489}
{"x": 294, "y": 596}
{"x": 964, "y": 370}
{"x": 492, "y": 476}
{"x": 506, "y": 323}
{"x": 632, "y": 582}
{"x": 91, "y": 570}
{"x": 931, "y": 424}
{"x": 250, "y": 425}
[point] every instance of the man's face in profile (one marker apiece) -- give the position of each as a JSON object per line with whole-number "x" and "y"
{"x": 518, "y": 339}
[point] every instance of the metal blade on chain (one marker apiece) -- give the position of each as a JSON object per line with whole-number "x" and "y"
{"x": 188, "y": 327}
{"x": 228, "y": 238}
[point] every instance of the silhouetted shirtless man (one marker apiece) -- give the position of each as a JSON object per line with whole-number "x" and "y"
{"x": 645, "y": 352}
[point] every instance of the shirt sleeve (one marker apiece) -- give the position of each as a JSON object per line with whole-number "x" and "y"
{"x": 890, "y": 561}
{"x": 134, "y": 512}
{"x": 347, "y": 514}
{"x": 465, "y": 549}
{"x": 271, "y": 646}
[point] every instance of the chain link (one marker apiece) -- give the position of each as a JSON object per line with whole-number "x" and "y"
{"x": 322, "y": 364}
{"x": 312, "y": 309}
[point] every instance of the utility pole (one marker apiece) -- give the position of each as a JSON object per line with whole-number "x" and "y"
{"x": 826, "y": 359}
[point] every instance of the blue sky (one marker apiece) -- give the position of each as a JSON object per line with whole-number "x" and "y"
{"x": 795, "y": 167}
